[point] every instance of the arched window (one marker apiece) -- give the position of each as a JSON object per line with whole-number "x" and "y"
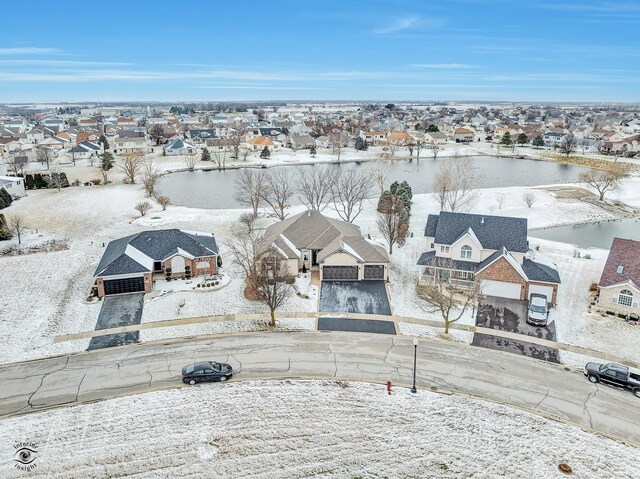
{"x": 625, "y": 297}
{"x": 465, "y": 252}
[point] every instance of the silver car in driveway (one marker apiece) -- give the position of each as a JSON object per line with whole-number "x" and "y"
{"x": 538, "y": 310}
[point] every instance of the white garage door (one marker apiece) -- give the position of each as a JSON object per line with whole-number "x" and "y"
{"x": 500, "y": 289}
{"x": 546, "y": 290}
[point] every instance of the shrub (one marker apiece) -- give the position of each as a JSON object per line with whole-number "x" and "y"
{"x": 96, "y": 181}
{"x": 593, "y": 287}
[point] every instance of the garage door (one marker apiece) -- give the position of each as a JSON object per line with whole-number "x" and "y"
{"x": 545, "y": 290}
{"x": 374, "y": 272}
{"x": 501, "y": 289}
{"x": 340, "y": 273}
{"x": 128, "y": 285}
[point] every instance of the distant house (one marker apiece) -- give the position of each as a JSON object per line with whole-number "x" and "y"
{"x": 200, "y": 135}
{"x": 620, "y": 281}
{"x": 180, "y": 147}
{"x": 466, "y": 249}
{"x": 333, "y": 247}
{"x": 400, "y": 138}
{"x": 14, "y": 185}
{"x": 301, "y": 142}
{"x": 85, "y": 150}
{"x": 435, "y": 137}
{"x": 135, "y": 145}
{"x": 92, "y": 136}
{"x": 463, "y": 135}
{"x": 133, "y": 263}
{"x": 373, "y": 137}
{"x": 257, "y": 143}
{"x": 553, "y": 139}
{"x": 220, "y": 144}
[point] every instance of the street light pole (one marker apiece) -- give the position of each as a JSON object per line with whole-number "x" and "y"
{"x": 415, "y": 358}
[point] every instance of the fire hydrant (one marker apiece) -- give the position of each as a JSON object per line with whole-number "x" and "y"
{"x": 389, "y": 386}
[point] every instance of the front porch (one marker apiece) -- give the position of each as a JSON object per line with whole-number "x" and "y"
{"x": 456, "y": 278}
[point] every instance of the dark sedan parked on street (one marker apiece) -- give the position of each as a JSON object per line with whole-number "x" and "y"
{"x": 206, "y": 371}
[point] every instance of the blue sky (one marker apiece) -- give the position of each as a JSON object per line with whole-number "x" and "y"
{"x": 563, "y": 50}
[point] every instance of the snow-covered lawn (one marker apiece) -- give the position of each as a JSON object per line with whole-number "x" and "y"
{"x": 305, "y": 429}
{"x": 42, "y": 294}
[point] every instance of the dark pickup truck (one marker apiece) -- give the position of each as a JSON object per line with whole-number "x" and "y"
{"x": 614, "y": 374}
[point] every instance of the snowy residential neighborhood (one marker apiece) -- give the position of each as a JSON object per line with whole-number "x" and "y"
{"x": 338, "y": 240}
{"x": 377, "y": 239}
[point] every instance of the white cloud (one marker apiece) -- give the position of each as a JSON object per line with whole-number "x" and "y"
{"x": 444, "y": 66}
{"x": 63, "y": 63}
{"x": 399, "y": 24}
{"x": 28, "y": 51}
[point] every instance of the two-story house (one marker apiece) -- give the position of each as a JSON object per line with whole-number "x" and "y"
{"x": 489, "y": 251}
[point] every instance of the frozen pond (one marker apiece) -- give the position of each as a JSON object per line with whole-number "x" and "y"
{"x": 214, "y": 189}
{"x": 592, "y": 235}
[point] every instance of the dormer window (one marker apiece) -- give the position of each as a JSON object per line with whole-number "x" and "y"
{"x": 465, "y": 252}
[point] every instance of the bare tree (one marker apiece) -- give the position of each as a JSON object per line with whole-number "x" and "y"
{"x": 220, "y": 155}
{"x": 131, "y": 164}
{"x": 236, "y": 140}
{"x": 250, "y": 188}
{"x": 440, "y": 296}
{"x": 336, "y": 143}
{"x": 56, "y": 178}
{"x": 273, "y": 283}
{"x": 604, "y": 180}
{"x": 16, "y": 164}
{"x": 434, "y": 151}
{"x": 568, "y": 144}
{"x": 191, "y": 161}
{"x": 248, "y": 220}
{"x": 16, "y": 224}
{"x": 156, "y": 132}
{"x": 393, "y": 220}
{"x": 267, "y": 276}
{"x": 393, "y": 146}
{"x": 418, "y": 146}
{"x": 380, "y": 176}
{"x": 45, "y": 155}
{"x": 500, "y": 200}
{"x": 529, "y": 197}
{"x": 163, "y": 201}
{"x": 348, "y": 192}
{"x": 314, "y": 187}
{"x": 149, "y": 176}
{"x": 143, "y": 207}
{"x": 583, "y": 143}
{"x": 454, "y": 185}
{"x": 278, "y": 191}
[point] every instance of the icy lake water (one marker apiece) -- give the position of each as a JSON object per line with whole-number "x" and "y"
{"x": 592, "y": 235}
{"x": 215, "y": 189}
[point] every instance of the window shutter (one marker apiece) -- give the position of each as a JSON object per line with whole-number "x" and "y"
{"x": 615, "y": 299}
{"x": 635, "y": 305}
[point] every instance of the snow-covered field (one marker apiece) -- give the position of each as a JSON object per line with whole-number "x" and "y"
{"x": 305, "y": 429}
{"x": 43, "y": 294}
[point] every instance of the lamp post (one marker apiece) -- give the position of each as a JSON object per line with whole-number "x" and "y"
{"x": 415, "y": 358}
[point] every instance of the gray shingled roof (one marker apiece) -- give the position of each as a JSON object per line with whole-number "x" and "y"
{"x": 368, "y": 252}
{"x": 158, "y": 245}
{"x": 493, "y": 232}
{"x": 429, "y": 259}
{"x": 540, "y": 272}
{"x": 309, "y": 230}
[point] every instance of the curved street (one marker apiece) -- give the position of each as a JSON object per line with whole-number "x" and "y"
{"x": 544, "y": 388}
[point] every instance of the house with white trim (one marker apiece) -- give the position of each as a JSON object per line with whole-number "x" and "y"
{"x": 336, "y": 249}
{"x": 620, "y": 281}
{"x": 133, "y": 263}
{"x": 492, "y": 251}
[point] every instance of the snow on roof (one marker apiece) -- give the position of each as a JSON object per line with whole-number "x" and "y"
{"x": 290, "y": 245}
{"x": 139, "y": 257}
{"x": 350, "y": 250}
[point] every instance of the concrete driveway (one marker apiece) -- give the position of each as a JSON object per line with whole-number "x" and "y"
{"x": 357, "y": 325}
{"x": 118, "y": 310}
{"x": 511, "y": 315}
{"x": 369, "y": 297}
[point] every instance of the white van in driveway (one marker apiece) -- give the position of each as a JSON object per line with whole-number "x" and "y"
{"x": 538, "y": 310}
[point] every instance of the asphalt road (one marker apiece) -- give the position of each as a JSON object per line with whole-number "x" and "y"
{"x": 453, "y": 367}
